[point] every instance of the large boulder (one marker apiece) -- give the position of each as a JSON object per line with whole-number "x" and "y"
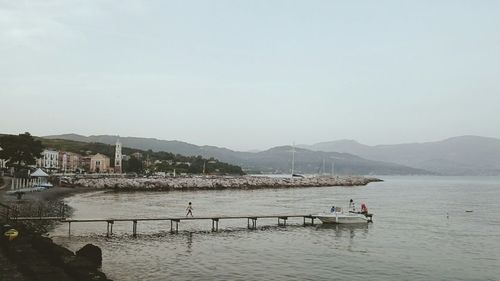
{"x": 82, "y": 269}
{"x": 92, "y": 253}
{"x": 58, "y": 255}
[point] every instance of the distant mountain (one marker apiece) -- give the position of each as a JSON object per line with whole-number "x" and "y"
{"x": 464, "y": 155}
{"x": 274, "y": 160}
{"x": 319, "y": 162}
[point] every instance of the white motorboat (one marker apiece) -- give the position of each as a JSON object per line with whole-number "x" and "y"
{"x": 338, "y": 216}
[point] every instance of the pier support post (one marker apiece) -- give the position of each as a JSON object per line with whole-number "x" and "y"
{"x": 172, "y": 226}
{"x": 215, "y": 224}
{"x": 109, "y": 229}
{"x": 284, "y": 221}
{"x": 310, "y": 217}
{"x": 69, "y": 228}
{"x": 254, "y": 223}
{"x": 134, "y": 228}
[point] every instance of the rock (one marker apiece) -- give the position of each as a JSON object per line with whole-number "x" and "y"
{"x": 81, "y": 268}
{"x": 92, "y": 253}
{"x": 219, "y": 182}
{"x": 58, "y": 255}
{"x": 39, "y": 258}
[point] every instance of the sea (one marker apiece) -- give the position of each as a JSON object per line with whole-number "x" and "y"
{"x": 424, "y": 228}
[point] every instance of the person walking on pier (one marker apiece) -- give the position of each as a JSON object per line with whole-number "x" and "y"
{"x": 189, "y": 210}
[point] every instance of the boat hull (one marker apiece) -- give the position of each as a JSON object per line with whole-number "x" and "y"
{"x": 343, "y": 218}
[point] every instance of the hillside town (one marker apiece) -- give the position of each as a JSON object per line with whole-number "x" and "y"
{"x": 59, "y": 161}
{"x": 61, "y": 157}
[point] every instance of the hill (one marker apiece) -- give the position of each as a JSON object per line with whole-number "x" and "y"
{"x": 161, "y": 161}
{"x": 463, "y": 155}
{"x": 274, "y": 160}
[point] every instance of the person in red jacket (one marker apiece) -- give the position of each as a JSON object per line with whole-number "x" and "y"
{"x": 364, "y": 209}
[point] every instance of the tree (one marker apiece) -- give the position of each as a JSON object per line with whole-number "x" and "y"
{"x": 134, "y": 165}
{"x": 21, "y": 150}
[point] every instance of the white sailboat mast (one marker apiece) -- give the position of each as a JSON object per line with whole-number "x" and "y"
{"x": 293, "y": 158}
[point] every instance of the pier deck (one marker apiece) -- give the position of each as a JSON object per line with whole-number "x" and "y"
{"x": 251, "y": 221}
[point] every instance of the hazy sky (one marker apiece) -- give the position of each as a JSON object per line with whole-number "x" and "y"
{"x": 251, "y": 74}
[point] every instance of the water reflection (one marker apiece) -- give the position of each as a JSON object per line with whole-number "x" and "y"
{"x": 345, "y": 230}
{"x": 189, "y": 242}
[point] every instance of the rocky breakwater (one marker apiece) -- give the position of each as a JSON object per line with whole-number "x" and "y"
{"x": 219, "y": 182}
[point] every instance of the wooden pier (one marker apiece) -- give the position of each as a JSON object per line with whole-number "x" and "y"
{"x": 174, "y": 221}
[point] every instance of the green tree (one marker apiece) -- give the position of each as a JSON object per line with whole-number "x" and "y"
{"x": 134, "y": 165}
{"x": 21, "y": 150}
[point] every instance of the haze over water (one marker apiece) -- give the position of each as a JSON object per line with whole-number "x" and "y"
{"x": 411, "y": 237}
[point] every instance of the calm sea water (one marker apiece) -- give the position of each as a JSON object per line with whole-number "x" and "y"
{"x": 420, "y": 232}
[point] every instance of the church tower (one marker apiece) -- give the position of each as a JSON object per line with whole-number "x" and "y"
{"x": 118, "y": 157}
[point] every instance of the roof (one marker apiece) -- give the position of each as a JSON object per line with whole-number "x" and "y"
{"x": 99, "y": 155}
{"x": 39, "y": 173}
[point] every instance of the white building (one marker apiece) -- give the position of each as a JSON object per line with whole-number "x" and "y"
{"x": 3, "y": 162}
{"x": 49, "y": 160}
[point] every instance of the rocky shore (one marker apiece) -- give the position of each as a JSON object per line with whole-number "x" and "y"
{"x": 219, "y": 182}
{"x": 33, "y": 257}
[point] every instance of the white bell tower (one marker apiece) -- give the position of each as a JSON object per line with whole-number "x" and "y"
{"x": 118, "y": 157}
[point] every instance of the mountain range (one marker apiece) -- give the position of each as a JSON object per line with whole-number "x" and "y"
{"x": 465, "y": 155}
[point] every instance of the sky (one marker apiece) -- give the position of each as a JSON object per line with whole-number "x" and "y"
{"x": 251, "y": 74}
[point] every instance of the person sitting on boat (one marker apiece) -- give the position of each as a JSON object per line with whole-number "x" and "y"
{"x": 364, "y": 209}
{"x": 332, "y": 209}
{"x": 352, "y": 207}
